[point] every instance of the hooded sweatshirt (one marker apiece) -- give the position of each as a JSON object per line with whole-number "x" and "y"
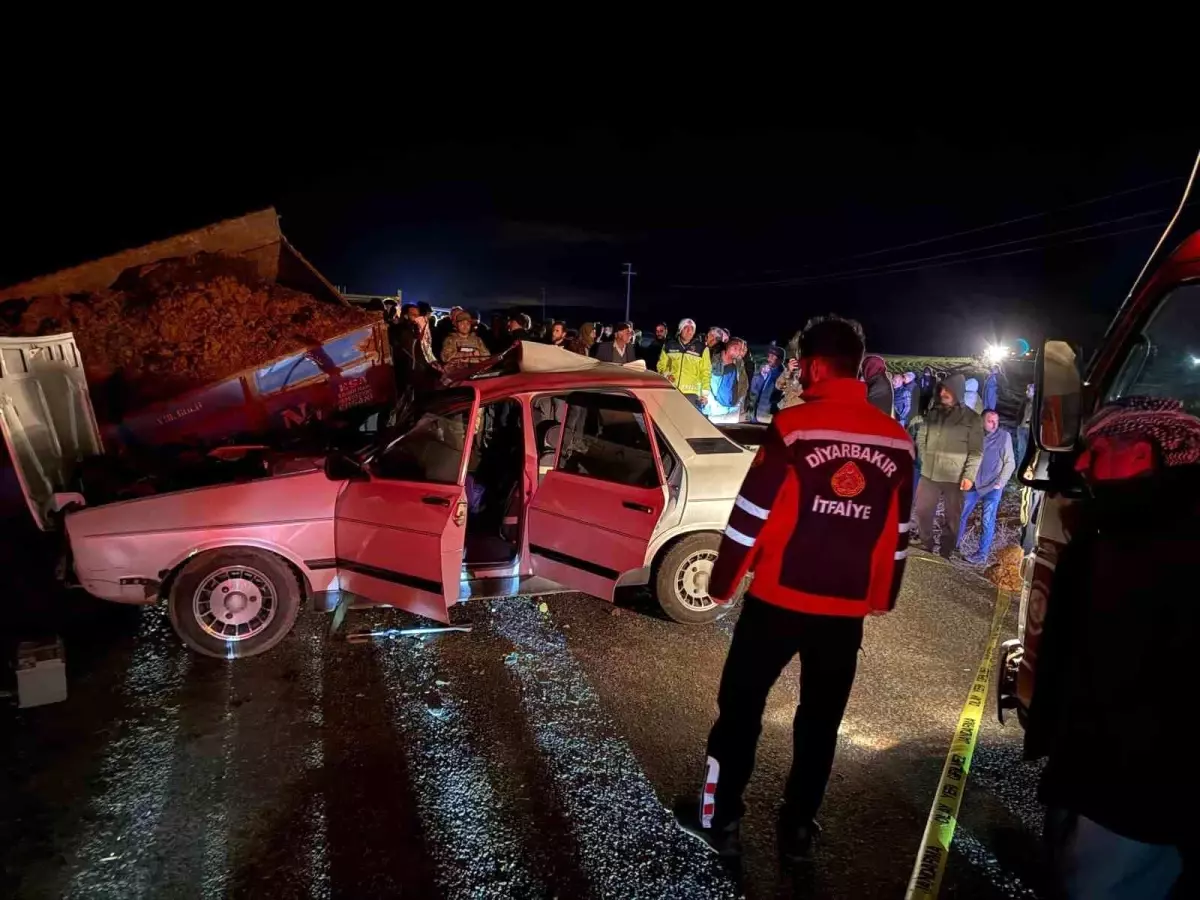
{"x": 879, "y": 384}
{"x": 951, "y": 438}
{"x": 971, "y": 395}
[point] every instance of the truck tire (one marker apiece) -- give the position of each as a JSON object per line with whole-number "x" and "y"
{"x": 681, "y": 580}
{"x": 234, "y": 602}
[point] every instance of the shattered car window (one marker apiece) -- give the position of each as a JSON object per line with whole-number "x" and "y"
{"x": 430, "y": 452}
{"x": 609, "y": 444}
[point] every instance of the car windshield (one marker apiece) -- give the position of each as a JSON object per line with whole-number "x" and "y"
{"x": 399, "y": 422}
{"x": 1165, "y": 360}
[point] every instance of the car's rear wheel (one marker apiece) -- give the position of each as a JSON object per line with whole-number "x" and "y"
{"x": 234, "y": 602}
{"x": 681, "y": 580}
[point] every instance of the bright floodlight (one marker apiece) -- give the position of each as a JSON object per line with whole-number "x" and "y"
{"x": 995, "y": 353}
{"x": 1196, "y": 361}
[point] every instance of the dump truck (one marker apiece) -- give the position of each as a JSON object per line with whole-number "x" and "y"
{"x": 157, "y": 343}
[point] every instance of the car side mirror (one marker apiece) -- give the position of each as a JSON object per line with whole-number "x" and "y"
{"x": 1058, "y": 397}
{"x": 340, "y": 467}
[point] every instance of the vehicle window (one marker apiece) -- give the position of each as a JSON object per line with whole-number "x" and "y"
{"x": 669, "y": 461}
{"x": 609, "y": 443}
{"x": 1166, "y": 360}
{"x": 431, "y": 451}
{"x": 337, "y": 355}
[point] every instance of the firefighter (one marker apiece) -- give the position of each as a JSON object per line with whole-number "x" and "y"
{"x": 822, "y": 521}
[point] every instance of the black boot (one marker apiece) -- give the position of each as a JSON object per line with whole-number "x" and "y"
{"x": 726, "y": 841}
{"x": 796, "y": 839}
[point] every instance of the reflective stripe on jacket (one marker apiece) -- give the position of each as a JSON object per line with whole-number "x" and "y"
{"x": 688, "y": 364}
{"x": 822, "y": 517}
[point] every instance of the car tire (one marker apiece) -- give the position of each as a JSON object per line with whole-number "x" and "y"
{"x": 261, "y": 595}
{"x": 687, "y": 562}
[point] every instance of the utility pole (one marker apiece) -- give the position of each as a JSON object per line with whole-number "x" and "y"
{"x": 628, "y": 273}
{"x": 543, "y": 303}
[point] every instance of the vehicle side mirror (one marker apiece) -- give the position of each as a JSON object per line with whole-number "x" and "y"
{"x": 340, "y": 467}
{"x": 1058, "y": 397}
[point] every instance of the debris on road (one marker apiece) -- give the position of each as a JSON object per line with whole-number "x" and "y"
{"x": 433, "y": 702}
{"x": 512, "y": 658}
{"x": 361, "y": 637}
{"x": 544, "y": 608}
{"x": 1005, "y": 573}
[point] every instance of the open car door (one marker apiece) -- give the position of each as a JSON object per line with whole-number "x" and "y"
{"x": 400, "y": 530}
{"x": 592, "y": 516}
{"x": 45, "y": 416}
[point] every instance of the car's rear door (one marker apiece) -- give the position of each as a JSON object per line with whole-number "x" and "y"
{"x": 399, "y": 534}
{"x": 592, "y": 516}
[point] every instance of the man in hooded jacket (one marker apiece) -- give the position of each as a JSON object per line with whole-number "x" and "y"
{"x": 879, "y": 384}
{"x": 686, "y": 364}
{"x": 950, "y": 446}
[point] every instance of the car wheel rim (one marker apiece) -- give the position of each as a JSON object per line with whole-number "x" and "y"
{"x": 234, "y": 603}
{"x": 691, "y": 580}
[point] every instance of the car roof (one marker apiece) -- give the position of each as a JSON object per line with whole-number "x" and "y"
{"x": 599, "y": 377}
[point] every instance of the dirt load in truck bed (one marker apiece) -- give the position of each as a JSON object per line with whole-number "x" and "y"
{"x": 170, "y": 326}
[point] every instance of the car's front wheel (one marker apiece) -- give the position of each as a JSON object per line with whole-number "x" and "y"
{"x": 681, "y": 580}
{"x": 234, "y": 602}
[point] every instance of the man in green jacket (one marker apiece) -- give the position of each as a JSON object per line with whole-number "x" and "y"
{"x": 949, "y": 447}
{"x": 685, "y": 363}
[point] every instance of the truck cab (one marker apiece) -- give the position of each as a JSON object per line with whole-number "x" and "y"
{"x": 1151, "y": 350}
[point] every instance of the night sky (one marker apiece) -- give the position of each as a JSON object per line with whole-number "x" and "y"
{"x": 752, "y": 229}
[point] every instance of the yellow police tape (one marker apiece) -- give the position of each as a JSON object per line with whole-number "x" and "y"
{"x": 943, "y": 817}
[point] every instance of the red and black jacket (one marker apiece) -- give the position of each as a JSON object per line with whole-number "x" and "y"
{"x": 822, "y": 517}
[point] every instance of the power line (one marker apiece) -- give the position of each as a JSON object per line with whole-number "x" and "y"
{"x": 955, "y": 262}
{"x": 945, "y": 237}
{"x": 1090, "y": 201}
{"x": 884, "y": 267}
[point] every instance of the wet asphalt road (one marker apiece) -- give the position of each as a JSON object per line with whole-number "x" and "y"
{"x": 530, "y": 758}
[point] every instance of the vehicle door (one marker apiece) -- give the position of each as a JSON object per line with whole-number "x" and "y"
{"x": 592, "y": 516}
{"x": 400, "y": 527}
{"x": 46, "y": 416}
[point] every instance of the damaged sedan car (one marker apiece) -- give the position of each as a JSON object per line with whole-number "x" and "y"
{"x": 541, "y": 471}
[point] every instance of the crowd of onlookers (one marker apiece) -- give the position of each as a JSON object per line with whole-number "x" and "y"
{"x": 964, "y": 457}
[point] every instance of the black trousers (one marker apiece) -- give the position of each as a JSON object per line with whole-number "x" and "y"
{"x": 764, "y": 642}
